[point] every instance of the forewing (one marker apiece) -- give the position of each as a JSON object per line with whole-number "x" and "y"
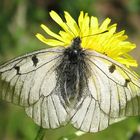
{"x": 113, "y": 93}
{"x": 24, "y": 80}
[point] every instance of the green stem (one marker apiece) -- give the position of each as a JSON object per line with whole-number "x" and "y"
{"x": 40, "y": 135}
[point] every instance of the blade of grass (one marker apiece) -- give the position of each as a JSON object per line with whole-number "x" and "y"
{"x": 40, "y": 135}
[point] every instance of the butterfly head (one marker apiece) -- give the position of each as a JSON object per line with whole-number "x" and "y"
{"x": 74, "y": 51}
{"x": 76, "y": 42}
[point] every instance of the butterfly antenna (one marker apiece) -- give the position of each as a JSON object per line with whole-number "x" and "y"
{"x": 96, "y": 34}
{"x": 70, "y": 30}
{"x": 68, "y": 26}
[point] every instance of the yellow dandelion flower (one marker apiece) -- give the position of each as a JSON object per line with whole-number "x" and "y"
{"x": 110, "y": 43}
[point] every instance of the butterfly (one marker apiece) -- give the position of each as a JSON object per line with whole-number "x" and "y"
{"x": 63, "y": 85}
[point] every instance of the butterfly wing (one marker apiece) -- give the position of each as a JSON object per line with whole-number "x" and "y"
{"x": 32, "y": 81}
{"x": 25, "y": 79}
{"x": 113, "y": 93}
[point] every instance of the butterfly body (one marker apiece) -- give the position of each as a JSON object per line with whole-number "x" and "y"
{"x": 72, "y": 68}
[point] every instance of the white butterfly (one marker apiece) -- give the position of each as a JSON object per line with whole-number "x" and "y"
{"x": 61, "y": 85}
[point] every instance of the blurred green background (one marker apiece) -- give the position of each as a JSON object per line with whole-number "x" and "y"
{"x": 19, "y": 22}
